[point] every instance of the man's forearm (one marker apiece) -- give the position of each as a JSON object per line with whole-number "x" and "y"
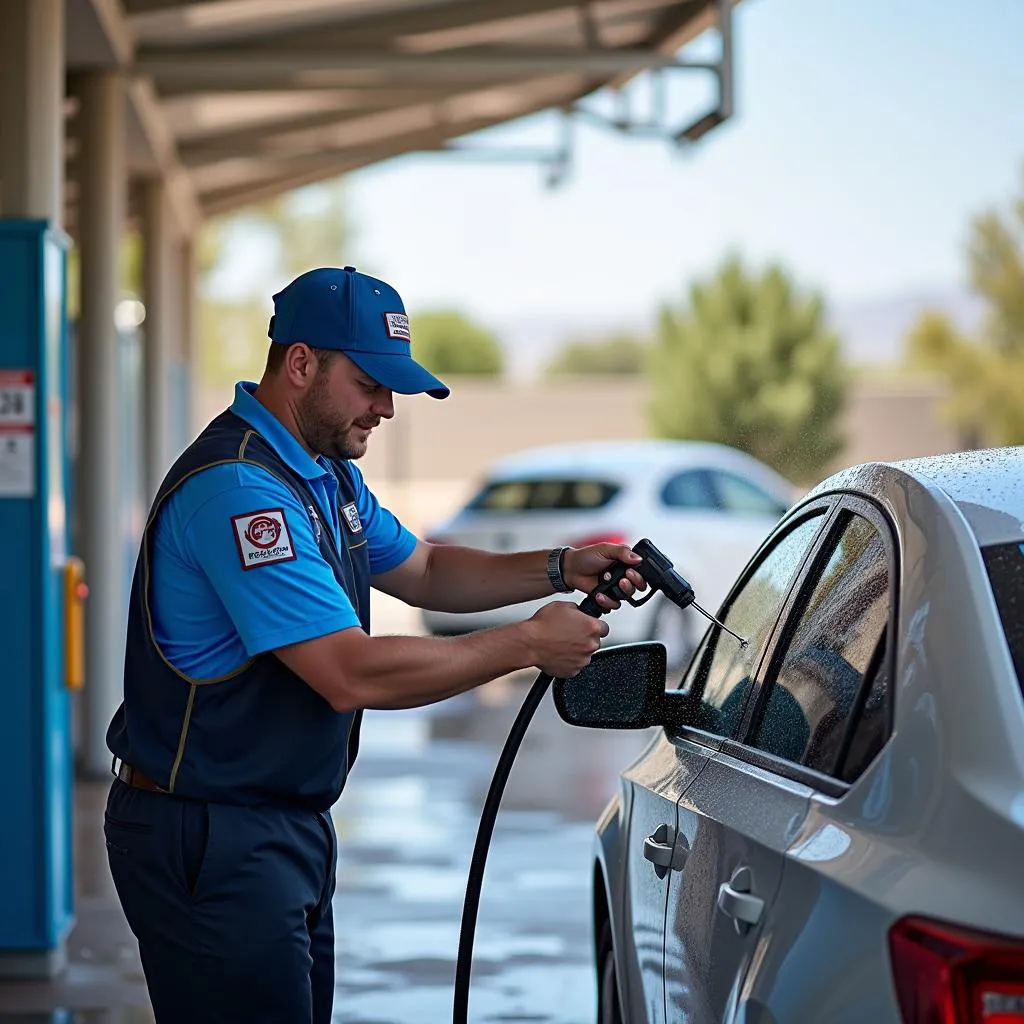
{"x": 467, "y": 580}
{"x": 408, "y": 672}
{"x": 351, "y": 670}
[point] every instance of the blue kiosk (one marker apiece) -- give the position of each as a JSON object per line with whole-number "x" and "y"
{"x": 42, "y": 590}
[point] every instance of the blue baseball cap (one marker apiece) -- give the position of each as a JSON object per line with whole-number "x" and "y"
{"x": 356, "y": 314}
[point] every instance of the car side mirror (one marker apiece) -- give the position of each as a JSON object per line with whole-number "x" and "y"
{"x": 623, "y": 687}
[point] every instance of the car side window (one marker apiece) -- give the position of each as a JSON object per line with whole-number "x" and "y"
{"x": 722, "y": 673}
{"x": 555, "y": 494}
{"x": 735, "y": 494}
{"x": 872, "y": 725}
{"x": 813, "y": 698}
{"x": 689, "y": 489}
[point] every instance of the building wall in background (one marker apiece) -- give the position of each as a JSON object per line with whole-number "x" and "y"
{"x": 431, "y": 456}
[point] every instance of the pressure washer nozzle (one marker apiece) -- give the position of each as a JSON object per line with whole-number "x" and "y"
{"x": 722, "y": 625}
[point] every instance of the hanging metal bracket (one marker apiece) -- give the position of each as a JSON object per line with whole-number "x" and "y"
{"x": 556, "y": 160}
{"x": 656, "y": 125}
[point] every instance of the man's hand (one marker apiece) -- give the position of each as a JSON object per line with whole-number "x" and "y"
{"x": 562, "y": 639}
{"x": 583, "y": 568}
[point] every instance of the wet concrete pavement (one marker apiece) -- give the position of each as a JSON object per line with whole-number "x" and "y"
{"x": 406, "y": 827}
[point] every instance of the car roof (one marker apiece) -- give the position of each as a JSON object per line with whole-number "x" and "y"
{"x": 636, "y": 456}
{"x": 987, "y": 486}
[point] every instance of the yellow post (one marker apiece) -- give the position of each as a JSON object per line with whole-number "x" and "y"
{"x": 75, "y": 593}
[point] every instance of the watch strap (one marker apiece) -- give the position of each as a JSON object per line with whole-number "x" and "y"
{"x": 556, "y": 562}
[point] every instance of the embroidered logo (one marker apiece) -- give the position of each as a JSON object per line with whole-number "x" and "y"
{"x": 263, "y": 538}
{"x": 398, "y": 326}
{"x": 351, "y": 516}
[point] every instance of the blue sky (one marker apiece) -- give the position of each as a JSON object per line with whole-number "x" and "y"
{"x": 867, "y": 133}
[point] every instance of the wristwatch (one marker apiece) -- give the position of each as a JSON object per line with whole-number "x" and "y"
{"x": 556, "y": 559}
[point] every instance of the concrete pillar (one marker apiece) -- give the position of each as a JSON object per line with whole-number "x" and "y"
{"x": 189, "y": 282}
{"x": 103, "y": 184}
{"x": 161, "y": 296}
{"x": 31, "y": 110}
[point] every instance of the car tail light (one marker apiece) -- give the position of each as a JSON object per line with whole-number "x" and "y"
{"x": 600, "y": 538}
{"x": 945, "y": 974}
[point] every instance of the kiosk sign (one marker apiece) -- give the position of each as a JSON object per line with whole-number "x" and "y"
{"x": 17, "y": 433}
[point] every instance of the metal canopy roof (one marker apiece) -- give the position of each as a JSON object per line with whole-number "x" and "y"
{"x": 235, "y": 101}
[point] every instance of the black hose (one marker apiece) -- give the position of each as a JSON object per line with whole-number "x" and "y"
{"x": 471, "y": 906}
{"x": 657, "y": 570}
{"x": 488, "y": 816}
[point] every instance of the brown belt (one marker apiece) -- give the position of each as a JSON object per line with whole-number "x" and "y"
{"x": 133, "y": 777}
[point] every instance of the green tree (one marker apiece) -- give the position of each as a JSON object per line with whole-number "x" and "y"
{"x": 985, "y": 373}
{"x": 448, "y": 342}
{"x": 749, "y": 361}
{"x": 618, "y": 354}
{"x": 309, "y": 228}
{"x": 232, "y": 341}
{"x": 303, "y": 230}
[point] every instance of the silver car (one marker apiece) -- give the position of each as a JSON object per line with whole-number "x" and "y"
{"x": 828, "y": 826}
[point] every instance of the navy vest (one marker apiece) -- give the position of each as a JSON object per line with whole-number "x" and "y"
{"x": 259, "y": 735}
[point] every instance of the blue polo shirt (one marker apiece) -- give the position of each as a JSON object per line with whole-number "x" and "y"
{"x": 211, "y": 613}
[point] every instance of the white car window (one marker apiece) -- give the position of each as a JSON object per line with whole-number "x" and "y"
{"x": 724, "y": 669}
{"x": 691, "y": 489}
{"x": 819, "y": 688}
{"x": 737, "y": 494}
{"x": 554, "y": 494}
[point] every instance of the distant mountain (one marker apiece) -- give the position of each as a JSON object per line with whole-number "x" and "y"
{"x": 872, "y": 331}
{"x": 875, "y": 331}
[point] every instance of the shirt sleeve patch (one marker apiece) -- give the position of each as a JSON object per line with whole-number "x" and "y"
{"x": 351, "y": 515}
{"x": 263, "y": 538}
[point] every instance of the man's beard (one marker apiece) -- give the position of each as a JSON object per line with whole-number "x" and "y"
{"x": 325, "y": 431}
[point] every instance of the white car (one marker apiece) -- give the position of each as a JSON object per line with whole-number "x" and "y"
{"x": 828, "y": 826}
{"x": 706, "y": 506}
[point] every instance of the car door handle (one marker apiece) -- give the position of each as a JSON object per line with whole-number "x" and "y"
{"x": 735, "y": 900}
{"x": 739, "y": 905}
{"x": 658, "y": 853}
{"x": 664, "y": 851}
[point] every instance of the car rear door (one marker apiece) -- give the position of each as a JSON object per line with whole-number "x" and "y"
{"x": 722, "y": 676}
{"x": 750, "y": 801}
{"x": 830, "y": 672}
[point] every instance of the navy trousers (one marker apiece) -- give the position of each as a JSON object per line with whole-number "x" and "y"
{"x": 231, "y": 906}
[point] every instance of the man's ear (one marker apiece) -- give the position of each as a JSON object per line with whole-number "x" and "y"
{"x": 300, "y": 364}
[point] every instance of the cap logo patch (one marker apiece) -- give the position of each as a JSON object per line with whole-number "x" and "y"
{"x": 398, "y": 326}
{"x": 351, "y": 516}
{"x": 263, "y": 538}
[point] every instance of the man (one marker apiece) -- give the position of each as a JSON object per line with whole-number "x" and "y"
{"x": 249, "y": 660}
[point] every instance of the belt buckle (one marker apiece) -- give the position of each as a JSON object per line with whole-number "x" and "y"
{"x": 122, "y": 771}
